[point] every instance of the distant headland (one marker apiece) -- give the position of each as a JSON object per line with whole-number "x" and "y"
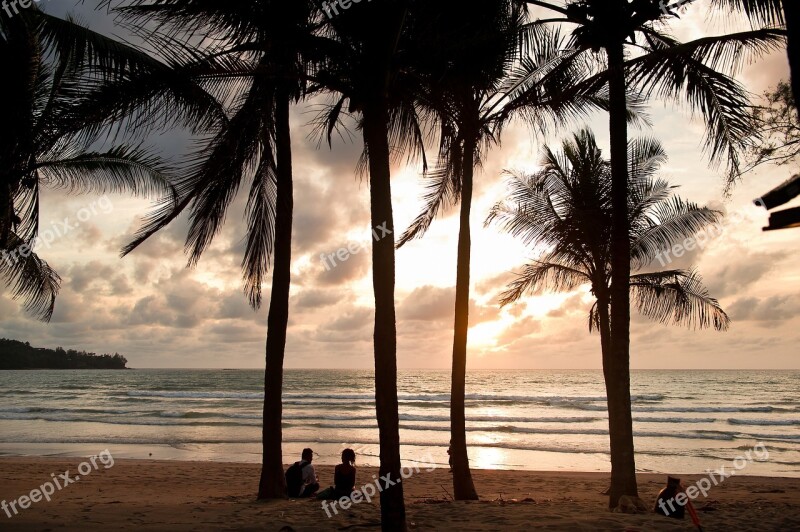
{"x": 21, "y": 355}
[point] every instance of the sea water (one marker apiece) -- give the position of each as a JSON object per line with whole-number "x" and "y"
{"x": 684, "y": 421}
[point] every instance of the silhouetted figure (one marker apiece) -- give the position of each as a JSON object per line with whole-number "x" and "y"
{"x": 450, "y": 456}
{"x": 301, "y": 478}
{"x": 665, "y": 502}
{"x": 344, "y": 478}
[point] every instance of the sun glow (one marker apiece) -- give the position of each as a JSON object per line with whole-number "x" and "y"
{"x": 485, "y": 335}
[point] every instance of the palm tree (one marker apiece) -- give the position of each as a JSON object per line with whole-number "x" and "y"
{"x": 51, "y": 66}
{"x": 264, "y": 53}
{"x": 371, "y": 70}
{"x": 776, "y": 13}
{"x": 664, "y": 67}
{"x": 473, "y": 58}
{"x": 566, "y": 208}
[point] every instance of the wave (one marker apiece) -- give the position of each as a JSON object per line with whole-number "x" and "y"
{"x": 366, "y": 397}
{"x": 674, "y": 419}
{"x": 134, "y": 421}
{"x": 686, "y": 409}
{"x": 195, "y": 394}
{"x": 514, "y": 429}
{"x": 766, "y": 422}
{"x": 53, "y": 410}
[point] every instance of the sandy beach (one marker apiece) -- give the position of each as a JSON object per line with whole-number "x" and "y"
{"x": 173, "y": 495}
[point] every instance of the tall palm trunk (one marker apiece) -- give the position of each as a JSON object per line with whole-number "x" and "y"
{"x": 376, "y": 137}
{"x": 605, "y": 327}
{"x": 616, "y": 367}
{"x": 791, "y": 11}
{"x": 463, "y": 486}
{"x": 273, "y": 483}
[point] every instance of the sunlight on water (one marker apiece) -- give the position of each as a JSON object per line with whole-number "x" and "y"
{"x": 684, "y": 421}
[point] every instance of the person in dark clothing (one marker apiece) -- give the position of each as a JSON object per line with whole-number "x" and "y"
{"x": 665, "y": 502}
{"x": 344, "y": 478}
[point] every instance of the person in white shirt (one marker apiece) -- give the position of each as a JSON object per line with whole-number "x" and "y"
{"x": 310, "y": 480}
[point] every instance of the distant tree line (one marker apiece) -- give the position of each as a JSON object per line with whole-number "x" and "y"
{"x": 21, "y": 355}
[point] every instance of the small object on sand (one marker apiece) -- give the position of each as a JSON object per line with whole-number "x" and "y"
{"x": 606, "y": 491}
{"x": 447, "y": 492}
{"x": 631, "y": 505}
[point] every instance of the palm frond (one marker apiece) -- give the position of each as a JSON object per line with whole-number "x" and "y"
{"x": 678, "y": 297}
{"x": 686, "y": 72}
{"x": 120, "y": 169}
{"x": 260, "y": 215}
{"x": 30, "y": 278}
{"x": 539, "y": 276}
{"x": 761, "y": 12}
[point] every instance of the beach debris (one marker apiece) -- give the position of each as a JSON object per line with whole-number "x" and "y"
{"x": 631, "y": 505}
{"x": 709, "y": 506}
{"x": 430, "y": 500}
{"x": 447, "y": 492}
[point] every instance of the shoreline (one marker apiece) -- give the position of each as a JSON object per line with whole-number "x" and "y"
{"x": 529, "y": 461}
{"x": 204, "y": 495}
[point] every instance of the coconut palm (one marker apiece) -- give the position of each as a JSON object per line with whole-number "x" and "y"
{"x": 372, "y": 72}
{"x": 565, "y": 209}
{"x": 261, "y": 65}
{"x": 467, "y": 70}
{"x": 628, "y": 41}
{"x": 51, "y": 66}
{"x": 776, "y": 13}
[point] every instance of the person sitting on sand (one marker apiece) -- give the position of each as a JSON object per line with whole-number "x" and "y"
{"x": 301, "y": 478}
{"x": 450, "y": 456}
{"x": 344, "y": 478}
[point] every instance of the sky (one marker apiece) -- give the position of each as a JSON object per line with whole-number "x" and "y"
{"x": 159, "y": 314}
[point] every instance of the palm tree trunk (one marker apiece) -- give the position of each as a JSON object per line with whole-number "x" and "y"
{"x": 616, "y": 367}
{"x": 463, "y": 486}
{"x": 273, "y": 483}
{"x": 376, "y": 138}
{"x": 791, "y": 11}
{"x": 605, "y": 326}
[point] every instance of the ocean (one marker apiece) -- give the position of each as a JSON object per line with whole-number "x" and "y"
{"x": 684, "y": 421}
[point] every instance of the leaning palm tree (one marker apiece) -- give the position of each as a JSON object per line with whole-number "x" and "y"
{"x": 628, "y": 42}
{"x": 566, "y": 210}
{"x": 51, "y": 66}
{"x": 261, "y": 64}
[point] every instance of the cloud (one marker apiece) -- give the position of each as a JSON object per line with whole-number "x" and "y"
{"x": 771, "y": 311}
{"x": 428, "y": 303}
